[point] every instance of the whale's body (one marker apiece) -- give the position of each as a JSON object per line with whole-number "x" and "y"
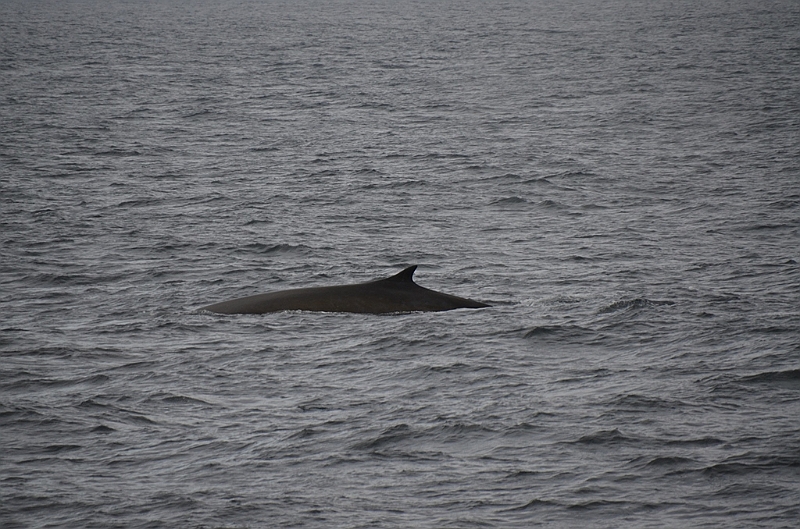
{"x": 398, "y": 293}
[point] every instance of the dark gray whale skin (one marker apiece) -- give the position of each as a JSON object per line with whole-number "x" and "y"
{"x": 398, "y": 293}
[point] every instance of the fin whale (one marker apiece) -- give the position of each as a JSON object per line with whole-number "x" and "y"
{"x": 398, "y": 293}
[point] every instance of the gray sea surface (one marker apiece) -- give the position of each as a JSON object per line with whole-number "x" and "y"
{"x": 619, "y": 179}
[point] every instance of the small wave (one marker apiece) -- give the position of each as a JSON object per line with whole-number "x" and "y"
{"x": 669, "y": 461}
{"x": 515, "y": 179}
{"x": 789, "y": 202}
{"x": 409, "y": 183}
{"x": 138, "y": 419}
{"x": 633, "y": 305}
{"x": 48, "y": 278}
{"x": 544, "y": 330}
{"x": 635, "y": 402}
{"x": 370, "y": 171}
{"x": 560, "y": 331}
{"x": 52, "y": 351}
{"x": 616, "y": 505}
{"x": 771, "y": 376}
{"x": 103, "y": 429}
{"x": 573, "y": 174}
{"x": 774, "y": 329}
{"x": 551, "y": 204}
{"x": 510, "y": 178}
{"x": 58, "y": 448}
{"x": 731, "y": 468}
{"x": 21, "y": 416}
{"x": 452, "y": 368}
{"x": 441, "y": 155}
{"x": 534, "y": 504}
{"x": 313, "y": 405}
{"x": 460, "y": 430}
{"x": 602, "y": 437}
{"x": 197, "y": 113}
{"x": 541, "y": 181}
{"x": 137, "y": 203}
{"x": 769, "y": 227}
{"x": 724, "y": 297}
{"x": 700, "y": 442}
{"x": 509, "y": 201}
{"x": 92, "y": 404}
{"x": 562, "y": 299}
{"x": 274, "y": 248}
{"x": 592, "y": 206}
{"x": 34, "y": 381}
{"x": 304, "y": 433}
{"x": 389, "y": 436}
{"x": 119, "y": 153}
{"x": 789, "y": 379}
{"x": 448, "y": 434}
{"x": 522, "y": 474}
{"x": 182, "y": 399}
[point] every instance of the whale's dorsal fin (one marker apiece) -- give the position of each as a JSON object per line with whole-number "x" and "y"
{"x": 406, "y": 276}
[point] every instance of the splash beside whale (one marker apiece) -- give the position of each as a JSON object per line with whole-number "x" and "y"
{"x": 397, "y": 293}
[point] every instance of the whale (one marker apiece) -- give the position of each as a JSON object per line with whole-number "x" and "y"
{"x": 398, "y": 293}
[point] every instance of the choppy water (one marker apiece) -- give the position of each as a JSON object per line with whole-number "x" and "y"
{"x": 621, "y": 180}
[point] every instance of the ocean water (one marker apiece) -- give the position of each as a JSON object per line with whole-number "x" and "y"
{"x": 619, "y": 179}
